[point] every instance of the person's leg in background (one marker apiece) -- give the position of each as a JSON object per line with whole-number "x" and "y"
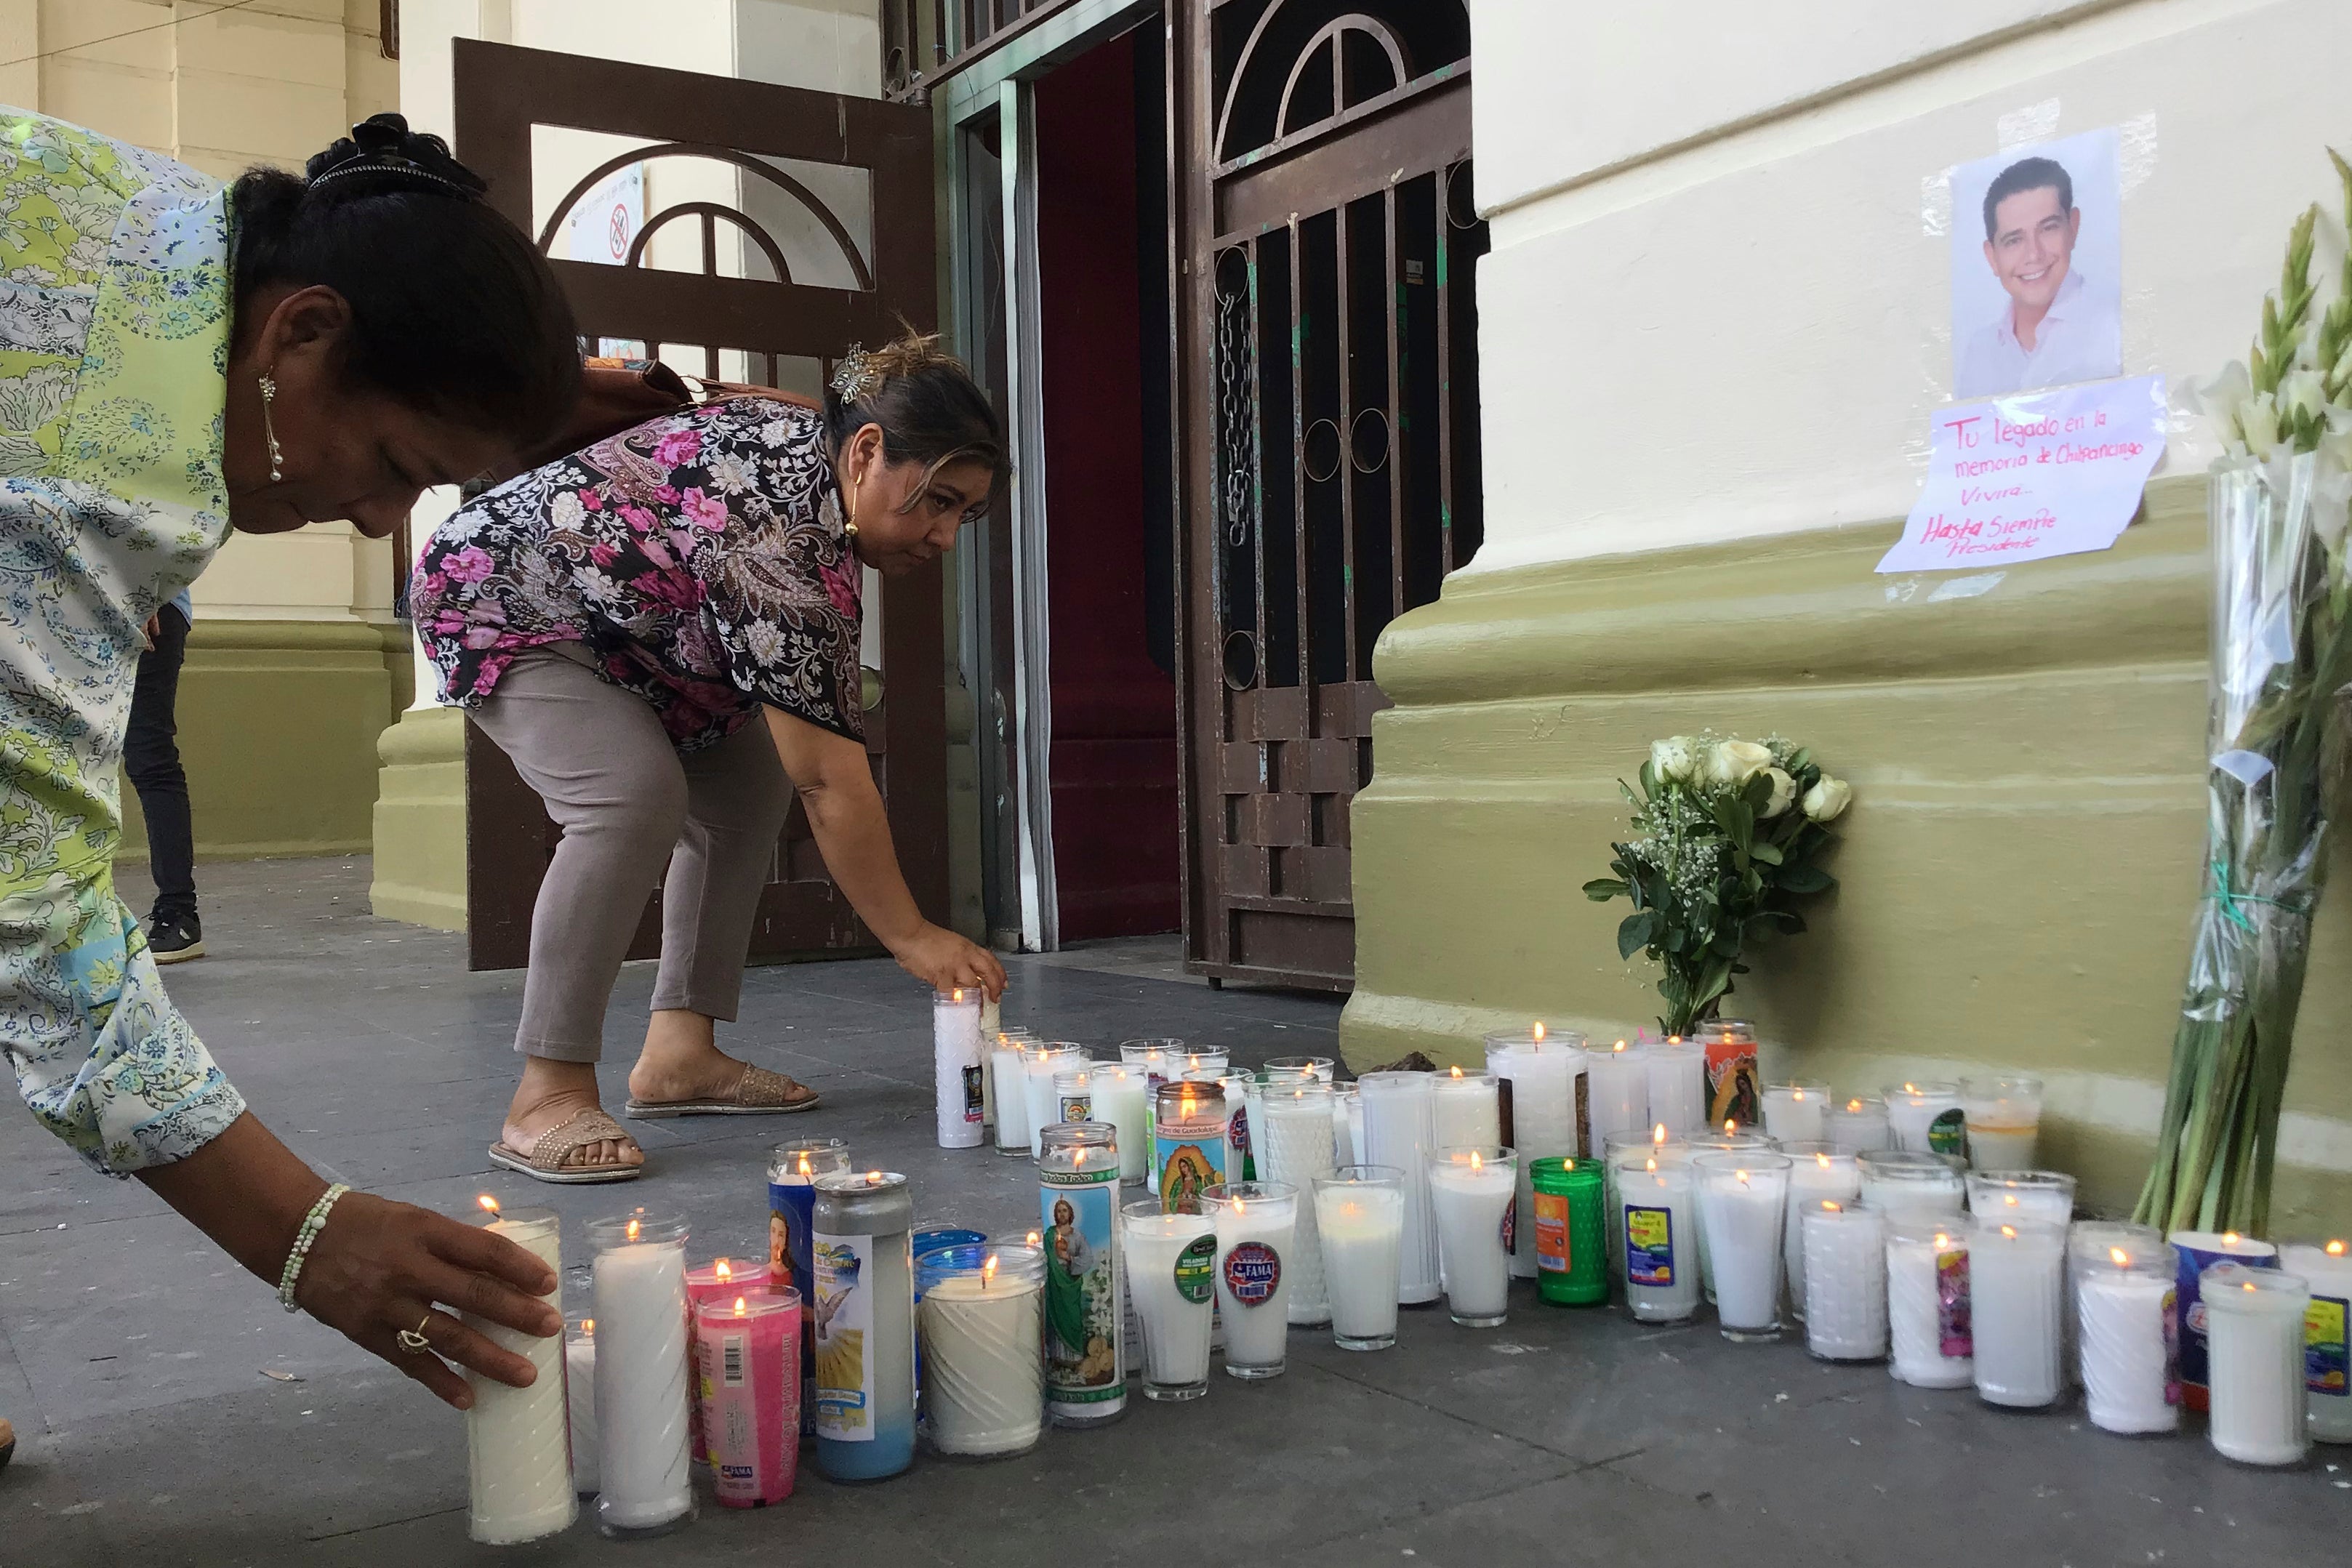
{"x": 150, "y": 760}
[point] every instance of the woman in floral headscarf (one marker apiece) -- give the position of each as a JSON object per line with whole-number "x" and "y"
{"x": 661, "y": 632}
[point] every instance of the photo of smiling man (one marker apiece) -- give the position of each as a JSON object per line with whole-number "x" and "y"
{"x": 2039, "y": 303}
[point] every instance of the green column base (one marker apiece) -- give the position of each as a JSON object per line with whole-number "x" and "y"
{"x": 420, "y": 821}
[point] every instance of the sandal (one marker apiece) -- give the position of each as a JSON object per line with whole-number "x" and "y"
{"x": 760, "y": 1093}
{"x": 553, "y": 1147}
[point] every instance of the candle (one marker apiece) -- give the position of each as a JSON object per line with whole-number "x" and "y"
{"x": 793, "y": 1169}
{"x": 2004, "y": 1121}
{"x": 1743, "y": 1200}
{"x": 2125, "y": 1300}
{"x": 2199, "y": 1250}
{"x": 1471, "y": 1191}
{"x": 1241, "y": 1156}
{"x": 1073, "y": 1096}
{"x": 1820, "y": 1175}
{"x": 1843, "y": 1263}
{"x": 1040, "y": 1065}
{"x": 1925, "y": 1118}
{"x": 1010, "y": 1085}
{"x": 1400, "y": 1130}
{"x": 864, "y": 1303}
{"x": 1153, "y": 1057}
{"x": 1322, "y": 1069}
{"x": 1466, "y": 1111}
{"x": 580, "y": 1392}
{"x": 1359, "y": 1222}
{"x": 2046, "y": 1196}
{"x": 1728, "y": 1138}
{"x": 1189, "y": 1143}
{"x": 1197, "y": 1062}
{"x": 1901, "y": 1181}
{"x": 981, "y": 1317}
{"x": 2254, "y": 1328}
{"x": 991, "y": 1016}
{"x": 1617, "y": 1093}
{"x": 1677, "y": 1086}
{"x": 1121, "y": 1098}
{"x": 1295, "y": 1148}
{"x": 721, "y": 1280}
{"x": 1540, "y": 1101}
{"x": 2327, "y": 1349}
{"x": 1347, "y": 1110}
{"x": 1659, "y": 1213}
{"x": 517, "y": 1440}
{"x": 1254, "y": 1223}
{"x": 747, "y": 1361}
{"x": 1797, "y": 1112}
{"x": 959, "y": 1070}
{"x": 1859, "y": 1125}
{"x": 641, "y": 1387}
{"x": 1572, "y": 1261}
{"x": 1077, "y": 1201}
{"x": 1171, "y": 1272}
{"x": 2017, "y": 1273}
{"x": 1613, "y": 1145}
{"x": 1927, "y": 1305}
{"x": 1730, "y": 1047}
{"x": 2093, "y": 1239}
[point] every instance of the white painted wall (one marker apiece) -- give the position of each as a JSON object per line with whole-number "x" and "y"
{"x": 1719, "y": 300}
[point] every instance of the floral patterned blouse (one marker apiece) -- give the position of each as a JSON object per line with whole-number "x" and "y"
{"x": 700, "y": 557}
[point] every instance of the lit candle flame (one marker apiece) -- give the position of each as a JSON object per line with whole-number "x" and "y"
{"x": 1568, "y": 1162}
{"x": 2229, "y": 1239}
{"x": 1077, "y": 1158}
{"x": 873, "y": 1178}
{"x": 1824, "y": 1160}
{"x": 1743, "y": 1179}
{"x": 2010, "y": 1231}
{"x": 1831, "y": 1206}
{"x": 588, "y": 1328}
{"x": 1619, "y": 1046}
{"x": 2250, "y": 1284}
{"x": 2011, "y": 1199}
{"x": 1475, "y": 1166}
{"x": 956, "y": 995}
{"x": 723, "y": 1271}
{"x": 1658, "y": 1134}
{"x": 1730, "y": 1126}
{"x": 1196, "y": 1061}
{"x": 1032, "y": 1238}
{"x": 804, "y": 1164}
{"x": 2334, "y": 1249}
{"x": 633, "y": 1230}
{"x": 988, "y": 1272}
{"x": 490, "y": 1205}
{"x": 1652, "y": 1162}
{"x": 1910, "y": 1089}
{"x": 1854, "y": 1107}
{"x": 1540, "y": 1030}
{"x": 1237, "y": 1205}
{"x": 740, "y": 1310}
{"x": 1458, "y": 1072}
{"x": 2122, "y": 1258}
{"x": 1673, "y": 1039}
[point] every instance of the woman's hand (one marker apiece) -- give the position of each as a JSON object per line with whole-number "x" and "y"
{"x": 949, "y": 962}
{"x": 379, "y": 1266}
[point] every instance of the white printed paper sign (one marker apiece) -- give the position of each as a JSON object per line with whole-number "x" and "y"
{"x": 2033, "y": 475}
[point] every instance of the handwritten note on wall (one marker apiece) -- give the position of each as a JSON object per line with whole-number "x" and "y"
{"x": 2033, "y": 475}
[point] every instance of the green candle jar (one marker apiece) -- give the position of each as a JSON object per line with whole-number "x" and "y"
{"x": 1571, "y": 1256}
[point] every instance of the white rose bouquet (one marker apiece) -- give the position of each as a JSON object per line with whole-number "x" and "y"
{"x": 1726, "y": 835}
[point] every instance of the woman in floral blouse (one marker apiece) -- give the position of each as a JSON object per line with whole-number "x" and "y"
{"x": 662, "y": 633}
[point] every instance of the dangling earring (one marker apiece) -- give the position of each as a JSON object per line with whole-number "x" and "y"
{"x": 849, "y": 527}
{"x": 269, "y": 432}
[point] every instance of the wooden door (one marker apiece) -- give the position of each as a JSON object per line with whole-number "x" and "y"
{"x": 846, "y": 179}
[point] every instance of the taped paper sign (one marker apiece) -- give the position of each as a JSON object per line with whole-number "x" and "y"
{"x": 2033, "y": 475}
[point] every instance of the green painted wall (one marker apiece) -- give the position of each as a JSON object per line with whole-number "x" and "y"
{"x": 2019, "y": 869}
{"x": 277, "y": 723}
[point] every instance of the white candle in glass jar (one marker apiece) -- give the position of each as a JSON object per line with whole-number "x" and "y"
{"x": 1657, "y": 1220}
{"x": 2017, "y": 1280}
{"x": 1728, "y": 1138}
{"x": 1743, "y": 1198}
{"x": 1617, "y": 1091}
{"x": 1844, "y": 1260}
{"x": 1294, "y": 1148}
{"x": 1255, "y": 1222}
{"x": 2255, "y": 1362}
{"x": 1400, "y": 1130}
{"x": 1359, "y": 1222}
{"x": 1927, "y": 1302}
{"x": 1797, "y": 1112}
{"x": 1470, "y": 1195}
{"x": 2124, "y": 1299}
{"x": 2199, "y": 1250}
{"x": 1011, "y": 1093}
{"x": 1540, "y": 1079}
{"x": 2093, "y": 1239}
{"x": 640, "y": 1360}
{"x": 1039, "y": 1067}
{"x": 1172, "y": 1268}
{"x": 1901, "y": 1181}
{"x": 2045, "y": 1196}
{"x": 1925, "y": 1117}
{"x": 2328, "y": 1347}
{"x": 1345, "y": 1113}
{"x": 958, "y": 1068}
{"x": 580, "y": 1394}
{"x": 1466, "y": 1110}
{"x": 2004, "y": 1121}
{"x": 1121, "y": 1098}
{"x": 983, "y": 1389}
{"x": 517, "y": 1440}
{"x": 1818, "y": 1174}
{"x": 1676, "y": 1069}
{"x": 1858, "y": 1123}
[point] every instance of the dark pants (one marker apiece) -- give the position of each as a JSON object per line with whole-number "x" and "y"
{"x": 150, "y": 760}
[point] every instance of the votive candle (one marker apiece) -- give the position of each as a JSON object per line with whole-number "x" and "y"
{"x": 1676, "y": 1069}
{"x": 1618, "y": 1092}
{"x": 2004, "y": 1121}
{"x": 1927, "y": 1301}
{"x": 747, "y": 1361}
{"x": 580, "y": 1393}
{"x": 1295, "y": 1147}
{"x": 1743, "y": 1198}
{"x": 2199, "y": 1250}
{"x": 793, "y": 1170}
{"x": 1359, "y": 1222}
{"x": 1925, "y": 1117}
{"x": 2017, "y": 1280}
{"x": 2046, "y": 1196}
{"x": 1400, "y": 1130}
{"x": 2327, "y": 1354}
{"x": 1171, "y": 1274}
{"x": 1904, "y": 1181}
{"x": 981, "y": 1319}
{"x": 960, "y": 1070}
{"x": 517, "y": 1440}
{"x": 1572, "y": 1261}
{"x": 1041, "y": 1065}
{"x": 1189, "y": 1143}
{"x": 1797, "y": 1112}
{"x": 1657, "y": 1209}
{"x": 1542, "y": 1099}
{"x": 1122, "y": 1098}
{"x": 2124, "y": 1299}
{"x": 863, "y": 1300}
{"x": 1077, "y": 1203}
{"x": 722, "y": 1279}
{"x": 1010, "y": 1086}
{"x": 1818, "y": 1175}
{"x": 1858, "y": 1123}
{"x": 1470, "y": 1195}
{"x": 1844, "y": 1260}
{"x": 2254, "y": 1328}
{"x": 1254, "y": 1226}
{"x": 642, "y": 1397}
{"x": 1467, "y": 1112}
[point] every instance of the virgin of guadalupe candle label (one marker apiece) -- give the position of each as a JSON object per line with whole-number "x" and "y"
{"x": 1253, "y": 1272}
{"x": 844, "y": 1321}
{"x": 1080, "y": 1208}
{"x": 1186, "y": 1168}
{"x": 1949, "y": 1134}
{"x": 1955, "y": 1332}
{"x": 2326, "y": 1355}
{"x": 1649, "y": 1244}
{"x": 1196, "y": 1270}
{"x": 1551, "y": 1231}
{"x": 1732, "y": 1095}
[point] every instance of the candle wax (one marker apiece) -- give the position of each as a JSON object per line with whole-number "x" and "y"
{"x": 984, "y": 1386}
{"x": 1469, "y": 1208}
{"x": 1361, "y": 1231}
{"x": 517, "y": 1440}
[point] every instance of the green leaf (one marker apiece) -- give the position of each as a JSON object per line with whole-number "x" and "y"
{"x": 1805, "y": 879}
{"x": 1602, "y": 889}
{"x": 1635, "y": 932}
{"x": 1768, "y": 853}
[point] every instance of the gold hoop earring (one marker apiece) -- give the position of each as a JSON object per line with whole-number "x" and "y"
{"x": 269, "y": 431}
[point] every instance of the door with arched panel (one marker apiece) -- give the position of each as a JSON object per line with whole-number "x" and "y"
{"x": 749, "y": 233}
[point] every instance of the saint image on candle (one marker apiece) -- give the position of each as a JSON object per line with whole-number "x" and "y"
{"x": 840, "y": 1352}
{"x": 1078, "y": 1269}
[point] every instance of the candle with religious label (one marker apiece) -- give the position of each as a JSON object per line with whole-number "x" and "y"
{"x": 1120, "y": 1098}
{"x": 1009, "y": 1090}
{"x": 1730, "y": 1046}
{"x": 747, "y": 1362}
{"x": 1659, "y": 1213}
{"x": 864, "y": 1303}
{"x": 1255, "y": 1223}
{"x": 722, "y": 1279}
{"x": 1857, "y": 1124}
{"x": 1359, "y": 1222}
{"x": 1925, "y": 1118}
{"x": 1820, "y": 1175}
{"x": 1466, "y": 1111}
{"x": 2327, "y": 1352}
{"x": 640, "y": 1363}
{"x": 1842, "y": 1256}
{"x": 1677, "y": 1074}
{"x": 1241, "y": 1154}
{"x": 2046, "y": 1196}
{"x": 1927, "y": 1301}
{"x": 981, "y": 1319}
{"x": 1571, "y": 1258}
{"x": 1470, "y": 1195}
{"x": 958, "y": 1068}
{"x": 1617, "y": 1096}
{"x": 1400, "y": 1130}
{"x": 1078, "y": 1202}
{"x": 517, "y": 1440}
{"x": 1542, "y": 1102}
{"x": 2123, "y": 1298}
{"x": 1743, "y": 1202}
{"x": 1295, "y": 1147}
{"x": 2199, "y": 1250}
{"x": 1904, "y": 1181}
{"x": 1074, "y": 1095}
{"x": 2254, "y": 1329}
{"x": 2004, "y": 1121}
{"x": 793, "y": 1169}
{"x": 1172, "y": 1271}
{"x": 2017, "y": 1282}
{"x": 1189, "y": 1142}
{"x": 1615, "y": 1145}
{"x": 1040, "y": 1066}
{"x": 580, "y": 1394}
{"x": 1797, "y": 1112}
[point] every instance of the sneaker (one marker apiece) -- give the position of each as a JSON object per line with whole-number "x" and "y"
{"x": 174, "y": 939}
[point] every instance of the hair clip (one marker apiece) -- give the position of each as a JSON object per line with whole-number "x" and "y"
{"x": 857, "y": 377}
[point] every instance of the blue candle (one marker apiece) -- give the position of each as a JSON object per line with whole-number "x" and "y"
{"x": 792, "y": 1171}
{"x": 861, "y": 1231}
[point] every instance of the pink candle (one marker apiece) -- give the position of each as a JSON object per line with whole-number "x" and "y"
{"x": 747, "y": 1361}
{"x": 720, "y": 1280}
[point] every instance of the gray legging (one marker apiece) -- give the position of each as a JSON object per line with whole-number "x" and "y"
{"x": 625, "y": 798}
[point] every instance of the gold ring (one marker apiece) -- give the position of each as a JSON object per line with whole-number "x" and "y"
{"x": 413, "y": 1340}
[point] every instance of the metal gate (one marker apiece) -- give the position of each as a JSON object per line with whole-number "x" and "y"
{"x": 815, "y": 169}
{"x": 1329, "y": 434}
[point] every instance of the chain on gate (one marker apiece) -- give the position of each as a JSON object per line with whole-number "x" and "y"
{"x": 1237, "y": 409}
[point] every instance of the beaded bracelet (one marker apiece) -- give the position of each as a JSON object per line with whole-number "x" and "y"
{"x": 312, "y": 1223}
